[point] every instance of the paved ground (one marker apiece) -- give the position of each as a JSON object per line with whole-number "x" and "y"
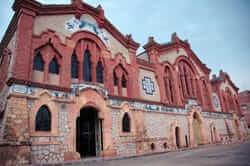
{"x": 212, "y": 155}
{"x": 220, "y": 155}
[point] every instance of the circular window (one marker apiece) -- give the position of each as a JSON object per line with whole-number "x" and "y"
{"x": 244, "y": 107}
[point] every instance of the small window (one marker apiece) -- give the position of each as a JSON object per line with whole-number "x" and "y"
{"x": 152, "y": 146}
{"x": 165, "y": 145}
{"x": 43, "y": 119}
{"x": 38, "y": 63}
{"x": 126, "y": 123}
{"x": 99, "y": 72}
{"x": 54, "y": 67}
{"x": 244, "y": 107}
{"x": 74, "y": 66}
{"x": 124, "y": 81}
{"x": 115, "y": 79}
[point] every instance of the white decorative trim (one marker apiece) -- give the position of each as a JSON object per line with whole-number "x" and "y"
{"x": 75, "y": 25}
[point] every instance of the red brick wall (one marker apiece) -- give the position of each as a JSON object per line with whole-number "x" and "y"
{"x": 244, "y": 99}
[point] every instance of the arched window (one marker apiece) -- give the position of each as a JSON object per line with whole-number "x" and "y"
{"x": 99, "y": 72}
{"x": 38, "y": 63}
{"x": 229, "y": 99}
{"x": 74, "y": 66}
{"x": 115, "y": 79}
{"x": 54, "y": 67}
{"x": 169, "y": 85}
{"x": 126, "y": 123}
{"x": 43, "y": 119}
{"x": 124, "y": 81}
{"x": 187, "y": 79}
{"x": 225, "y": 103}
{"x": 185, "y": 74}
{"x": 87, "y": 67}
{"x": 120, "y": 77}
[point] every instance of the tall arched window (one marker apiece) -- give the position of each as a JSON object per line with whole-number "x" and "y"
{"x": 224, "y": 102}
{"x": 74, "y": 66}
{"x": 126, "y": 123}
{"x": 54, "y": 67}
{"x": 38, "y": 63}
{"x": 115, "y": 79}
{"x": 43, "y": 119}
{"x": 120, "y": 77}
{"x": 187, "y": 79}
{"x": 99, "y": 72}
{"x": 87, "y": 66}
{"x": 169, "y": 85}
{"x": 124, "y": 81}
{"x": 229, "y": 100}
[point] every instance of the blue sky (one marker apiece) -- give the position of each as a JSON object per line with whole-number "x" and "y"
{"x": 218, "y": 31}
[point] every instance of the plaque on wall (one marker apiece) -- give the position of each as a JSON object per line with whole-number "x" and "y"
{"x": 19, "y": 89}
{"x": 148, "y": 85}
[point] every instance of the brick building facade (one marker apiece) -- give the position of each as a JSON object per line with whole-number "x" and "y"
{"x": 244, "y": 99}
{"x": 72, "y": 86}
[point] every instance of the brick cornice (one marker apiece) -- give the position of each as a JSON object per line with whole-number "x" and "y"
{"x": 36, "y": 84}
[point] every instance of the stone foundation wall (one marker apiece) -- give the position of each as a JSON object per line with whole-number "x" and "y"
{"x": 158, "y": 124}
{"x": 16, "y": 127}
{"x": 47, "y": 154}
{"x": 51, "y": 149}
{"x": 124, "y": 145}
{"x": 154, "y": 132}
{"x": 14, "y": 155}
{"x": 157, "y": 130}
{"x": 219, "y": 125}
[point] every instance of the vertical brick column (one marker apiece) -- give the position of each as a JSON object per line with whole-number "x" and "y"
{"x": 65, "y": 68}
{"x": 16, "y": 132}
{"x": 159, "y": 77}
{"x": 17, "y": 128}
{"x": 24, "y": 44}
{"x": 133, "y": 84}
{"x": 211, "y": 105}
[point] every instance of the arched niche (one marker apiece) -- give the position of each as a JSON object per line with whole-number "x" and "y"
{"x": 43, "y": 98}
{"x": 215, "y": 137}
{"x": 236, "y": 123}
{"x": 126, "y": 109}
{"x": 91, "y": 98}
{"x": 198, "y": 132}
{"x": 176, "y": 136}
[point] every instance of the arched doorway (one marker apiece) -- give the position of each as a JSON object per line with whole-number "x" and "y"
{"x": 89, "y": 133}
{"x": 214, "y": 134}
{"x": 177, "y": 136}
{"x": 237, "y": 127}
{"x": 196, "y": 129}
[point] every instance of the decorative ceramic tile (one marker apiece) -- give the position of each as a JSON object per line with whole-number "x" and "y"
{"x": 148, "y": 85}
{"x": 75, "y": 25}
